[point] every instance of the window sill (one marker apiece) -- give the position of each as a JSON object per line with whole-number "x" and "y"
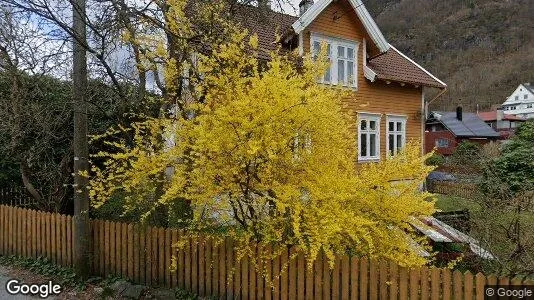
{"x": 368, "y": 160}
{"x": 332, "y": 85}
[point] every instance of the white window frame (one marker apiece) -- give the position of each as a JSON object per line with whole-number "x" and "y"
{"x": 396, "y": 118}
{"x": 369, "y": 117}
{"x": 333, "y": 56}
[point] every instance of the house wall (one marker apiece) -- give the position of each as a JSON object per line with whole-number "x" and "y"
{"x": 339, "y": 20}
{"x": 520, "y": 103}
{"x": 432, "y": 136}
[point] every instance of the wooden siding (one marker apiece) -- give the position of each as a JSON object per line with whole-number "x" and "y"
{"x": 339, "y": 20}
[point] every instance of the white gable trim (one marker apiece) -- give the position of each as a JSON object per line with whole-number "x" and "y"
{"x": 376, "y": 35}
{"x": 367, "y": 72}
{"x": 370, "y": 25}
{"x": 419, "y": 66}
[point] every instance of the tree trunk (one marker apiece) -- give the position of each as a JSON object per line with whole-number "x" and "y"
{"x": 82, "y": 238}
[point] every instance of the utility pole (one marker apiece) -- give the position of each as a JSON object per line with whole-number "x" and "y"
{"x": 82, "y": 234}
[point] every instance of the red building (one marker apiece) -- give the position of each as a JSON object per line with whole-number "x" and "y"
{"x": 504, "y": 124}
{"x": 445, "y": 130}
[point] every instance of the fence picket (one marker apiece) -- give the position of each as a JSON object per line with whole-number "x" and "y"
{"x": 174, "y": 255}
{"x": 457, "y": 285}
{"x": 124, "y": 250}
{"x": 70, "y": 241}
{"x": 301, "y": 274}
{"x": 130, "y": 251}
{"x": 435, "y": 284}
{"x": 136, "y": 253}
{"x": 425, "y": 289}
{"x": 394, "y": 281}
{"x": 414, "y": 284}
{"x": 364, "y": 278}
{"x": 208, "y": 258}
{"x": 383, "y": 274}
{"x": 468, "y": 286}
{"x": 187, "y": 264}
{"x": 3, "y": 232}
{"x": 167, "y": 253}
{"x": 284, "y": 278}
{"x": 345, "y": 277}
{"x": 318, "y": 277}
{"x": 154, "y": 257}
{"x": 215, "y": 268}
{"x": 403, "y": 284}
{"x": 373, "y": 279}
{"x": 201, "y": 263}
{"x": 336, "y": 285}
{"x": 480, "y": 281}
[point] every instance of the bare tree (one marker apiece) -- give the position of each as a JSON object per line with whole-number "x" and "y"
{"x": 31, "y": 127}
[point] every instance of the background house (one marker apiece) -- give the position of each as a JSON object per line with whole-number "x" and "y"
{"x": 504, "y": 124}
{"x": 445, "y": 130}
{"x": 521, "y": 102}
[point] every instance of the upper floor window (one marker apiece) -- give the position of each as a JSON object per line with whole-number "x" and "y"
{"x": 396, "y": 133}
{"x": 342, "y": 56}
{"x": 368, "y": 137}
{"x": 525, "y": 96}
{"x": 516, "y": 97}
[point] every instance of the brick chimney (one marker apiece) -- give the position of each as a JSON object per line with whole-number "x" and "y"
{"x": 304, "y": 5}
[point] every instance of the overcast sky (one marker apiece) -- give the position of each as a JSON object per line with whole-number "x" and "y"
{"x": 289, "y": 8}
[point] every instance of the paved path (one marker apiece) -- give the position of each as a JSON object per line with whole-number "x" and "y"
{"x": 4, "y": 278}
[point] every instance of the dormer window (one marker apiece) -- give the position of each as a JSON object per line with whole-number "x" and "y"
{"x": 342, "y": 55}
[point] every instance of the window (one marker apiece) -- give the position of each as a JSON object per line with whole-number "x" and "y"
{"x": 529, "y": 105}
{"x": 525, "y": 96}
{"x": 342, "y": 55}
{"x": 327, "y": 78}
{"x": 516, "y": 97}
{"x": 369, "y": 137}
{"x": 396, "y": 134}
{"x": 442, "y": 143}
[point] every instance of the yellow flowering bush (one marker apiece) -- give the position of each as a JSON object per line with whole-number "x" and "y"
{"x": 269, "y": 156}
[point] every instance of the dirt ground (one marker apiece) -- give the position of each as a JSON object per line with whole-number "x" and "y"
{"x": 24, "y": 276}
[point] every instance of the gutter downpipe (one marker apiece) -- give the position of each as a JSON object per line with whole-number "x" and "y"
{"x": 427, "y": 104}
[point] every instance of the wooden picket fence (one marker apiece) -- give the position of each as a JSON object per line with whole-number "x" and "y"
{"x": 144, "y": 255}
{"x": 462, "y": 190}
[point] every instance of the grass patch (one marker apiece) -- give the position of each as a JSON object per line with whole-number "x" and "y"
{"x": 451, "y": 203}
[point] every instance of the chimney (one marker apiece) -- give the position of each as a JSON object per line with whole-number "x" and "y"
{"x": 304, "y": 5}
{"x": 264, "y": 4}
{"x": 459, "y": 115}
{"x": 500, "y": 114}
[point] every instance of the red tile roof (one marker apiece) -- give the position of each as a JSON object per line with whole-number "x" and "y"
{"x": 492, "y": 116}
{"x": 395, "y": 66}
{"x": 391, "y": 65}
{"x": 267, "y": 24}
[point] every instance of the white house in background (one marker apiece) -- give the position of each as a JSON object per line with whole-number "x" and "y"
{"x": 521, "y": 102}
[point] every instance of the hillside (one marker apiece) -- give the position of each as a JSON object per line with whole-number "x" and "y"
{"x": 481, "y": 48}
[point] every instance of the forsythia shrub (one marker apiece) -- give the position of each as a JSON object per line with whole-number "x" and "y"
{"x": 269, "y": 156}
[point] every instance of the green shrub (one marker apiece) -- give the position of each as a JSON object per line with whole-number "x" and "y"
{"x": 435, "y": 160}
